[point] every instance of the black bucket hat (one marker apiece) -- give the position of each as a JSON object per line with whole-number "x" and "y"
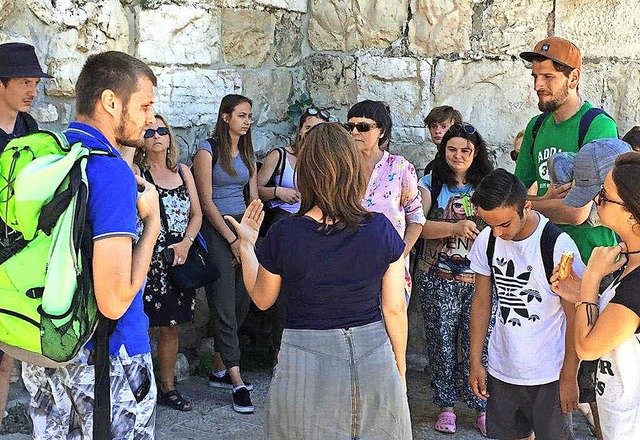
{"x": 19, "y": 60}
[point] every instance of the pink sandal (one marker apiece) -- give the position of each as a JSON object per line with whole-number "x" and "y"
{"x": 446, "y": 422}
{"x": 481, "y": 424}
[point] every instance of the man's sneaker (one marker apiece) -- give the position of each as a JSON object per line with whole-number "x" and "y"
{"x": 242, "y": 401}
{"x": 225, "y": 382}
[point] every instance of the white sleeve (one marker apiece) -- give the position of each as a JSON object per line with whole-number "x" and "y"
{"x": 478, "y": 253}
{"x": 566, "y": 243}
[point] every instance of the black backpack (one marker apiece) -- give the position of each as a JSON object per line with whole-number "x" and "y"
{"x": 548, "y": 239}
{"x": 421, "y": 243}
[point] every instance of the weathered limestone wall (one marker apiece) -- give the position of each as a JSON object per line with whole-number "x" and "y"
{"x": 414, "y": 54}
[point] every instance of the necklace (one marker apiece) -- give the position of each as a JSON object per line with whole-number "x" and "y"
{"x": 630, "y": 253}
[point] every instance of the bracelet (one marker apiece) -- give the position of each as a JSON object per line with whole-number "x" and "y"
{"x": 588, "y": 303}
{"x": 233, "y": 241}
{"x": 190, "y": 238}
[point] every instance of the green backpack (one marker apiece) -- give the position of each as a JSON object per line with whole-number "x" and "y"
{"x": 48, "y": 310}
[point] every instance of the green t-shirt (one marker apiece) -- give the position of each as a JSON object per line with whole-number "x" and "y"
{"x": 559, "y": 137}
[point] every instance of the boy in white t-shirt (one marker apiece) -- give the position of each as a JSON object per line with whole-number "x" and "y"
{"x": 532, "y": 366}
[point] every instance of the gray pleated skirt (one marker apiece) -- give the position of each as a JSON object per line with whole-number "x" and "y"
{"x": 337, "y": 384}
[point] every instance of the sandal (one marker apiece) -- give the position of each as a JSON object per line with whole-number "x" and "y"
{"x": 446, "y": 422}
{"x": 174, "y": 399}
{"x": 481, "y": 424}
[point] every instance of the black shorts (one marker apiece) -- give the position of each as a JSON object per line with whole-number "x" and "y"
{"x": 514, "y": 411}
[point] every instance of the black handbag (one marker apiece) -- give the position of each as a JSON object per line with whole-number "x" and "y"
{"x": 270, "y": 211}
{"x": 198, "y": 270}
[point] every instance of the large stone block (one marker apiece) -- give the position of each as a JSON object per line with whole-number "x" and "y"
{"x": 402, "y": 82}
{"x": 247, "y": 37}
{"x": 270, "y": 91}
{"x": 439, "y": 27}
{"x": 189, "y": 35}
{"x": 601, "y": 29}
{"x": 188, "y": 97}
{"x": 353, "y": 24}
{"x": 497, "y": 97}
{"x": 288, "y": 39}
{"x": 289, "y": 5}
{"x": 331, "y": 80}
{"x": 6, "y": 8}
{"x": 44, "y": 112}
{"x": 513, "y": 26}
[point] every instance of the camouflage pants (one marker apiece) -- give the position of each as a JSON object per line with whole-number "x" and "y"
{"x": 62, "y": 398}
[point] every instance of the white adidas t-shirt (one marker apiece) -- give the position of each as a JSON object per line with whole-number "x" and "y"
{"x": 618, "y": 383}
{"x": 526, "y": 346}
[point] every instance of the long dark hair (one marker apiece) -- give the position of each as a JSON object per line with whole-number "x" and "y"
{"x": 481, "y": 165}
{"x": 330, "y": 177}
{"x": 625, "y": 176}
{"x": 221, "y": 133}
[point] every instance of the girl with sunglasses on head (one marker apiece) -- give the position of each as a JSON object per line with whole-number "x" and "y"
{"x": 392, "y": 184}
{"x": 607, "y": 326}
{"x": 277, "y": 188}
{"x": 223, "y": 165}
{"x": 166, "y": 306}
{"x": 445, "y": 279}
{"x": 341, "y": 368}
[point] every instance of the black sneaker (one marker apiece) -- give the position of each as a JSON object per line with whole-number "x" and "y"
{"x": 242, "y": 401}
{"x": 225, "y": 382}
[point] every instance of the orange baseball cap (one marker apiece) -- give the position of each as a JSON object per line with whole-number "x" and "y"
{"x": 556, "y": 49}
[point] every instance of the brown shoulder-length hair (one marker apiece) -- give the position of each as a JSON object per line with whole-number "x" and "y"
{"x": 221, "y": 133}
{"x": 173, "y": 152}
{"x": 330, "y": 176}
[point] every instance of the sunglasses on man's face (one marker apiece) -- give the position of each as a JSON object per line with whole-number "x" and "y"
{"x": 322, "y": 114}
{"x": 150, "y": 132}
{"x": 362, "y": 127}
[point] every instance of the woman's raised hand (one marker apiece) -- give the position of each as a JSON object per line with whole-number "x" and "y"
{"x": 249, "y": 226}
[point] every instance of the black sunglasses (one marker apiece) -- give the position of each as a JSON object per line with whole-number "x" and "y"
{"x": 514, "y": 155}
{"x": 322, "y": 114}
{"x": 602, "y": 198}
{"x": 362, "y": 127}
{"x": 463, "y": 126}
{"x": 150, "y": 132}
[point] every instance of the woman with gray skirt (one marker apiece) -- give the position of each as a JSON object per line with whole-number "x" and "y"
{"x": 341, "y": 367}
{"x": 223, "y": 166}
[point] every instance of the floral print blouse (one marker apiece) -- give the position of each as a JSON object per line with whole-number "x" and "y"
{"x": 393, "y": 191}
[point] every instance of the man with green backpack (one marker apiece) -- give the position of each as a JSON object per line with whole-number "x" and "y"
{"x": 114, "y": 104}
{"x": 20, "y": 73}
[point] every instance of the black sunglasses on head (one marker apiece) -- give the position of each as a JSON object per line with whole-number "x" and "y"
{"x": 322, "y": 114}
{"x": 463, "y": 126}
{"x": 150, "y": 132}
{"x": 362, "y": 127}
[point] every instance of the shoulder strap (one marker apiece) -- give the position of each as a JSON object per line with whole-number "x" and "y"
{"x": 32, "y": 125}
{"x": 214, "y": 151}
{"x": 548, "y": 239}
{"x": 536, "y": 128}
{"x": 585, "y": 122}
{"x": 429, "y": 168}
{"x": 163, "y": 217}
{"x": 436, "y": 189}
{"x": 491, "y": 247}
{"x": 180, "y": 172}
{"x": 279, "y": 170}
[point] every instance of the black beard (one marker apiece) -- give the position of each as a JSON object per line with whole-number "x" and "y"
{"x": 554, "y": 104}
{"x": 121, "y": 130}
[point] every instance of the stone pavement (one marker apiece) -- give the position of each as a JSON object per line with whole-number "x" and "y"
{"x": 213, "y": 417}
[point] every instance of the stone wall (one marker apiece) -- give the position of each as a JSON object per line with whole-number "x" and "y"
{"x": 414, "y": 54}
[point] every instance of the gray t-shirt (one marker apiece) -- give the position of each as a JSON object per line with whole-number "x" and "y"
{"x": 228, "y": 190}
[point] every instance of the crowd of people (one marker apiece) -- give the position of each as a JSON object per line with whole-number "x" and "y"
{"x": 526, "y": 280}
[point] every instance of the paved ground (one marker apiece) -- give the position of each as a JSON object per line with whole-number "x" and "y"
{"x": 213, "y": 417}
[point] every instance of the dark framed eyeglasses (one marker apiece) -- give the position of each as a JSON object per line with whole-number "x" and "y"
{"x": 322, "y": 114}
{"x": 602, "y": 198}
{"x": 150, "y": 132}
{"x": 362, "y": 127}
{"x": 514, "y": 155}
{"x": 464, "y": 127}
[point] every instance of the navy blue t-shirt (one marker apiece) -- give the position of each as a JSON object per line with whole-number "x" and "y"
{"x": 113, "y": 196}
{"x": 331, "y": 279}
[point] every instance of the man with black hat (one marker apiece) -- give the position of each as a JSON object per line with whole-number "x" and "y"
{"x": 20, "y": 74}
{"x": 567, "y": 123}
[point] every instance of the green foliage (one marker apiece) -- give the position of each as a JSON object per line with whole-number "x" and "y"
{"x": 205, "y": 365}
{"x": 298, "y": 107}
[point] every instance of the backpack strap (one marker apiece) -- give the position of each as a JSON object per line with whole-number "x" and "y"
{"x": 585, "y": 122}
{"x": 436, "y": 189}
{"x": 429, "y": 168}
{"x": 279, "y": 169}
{"x": 536, "y": 128}
{"x": 213, "y": 142}
{"x": 491, "y": 247}
{"x": 548, "y": 239}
